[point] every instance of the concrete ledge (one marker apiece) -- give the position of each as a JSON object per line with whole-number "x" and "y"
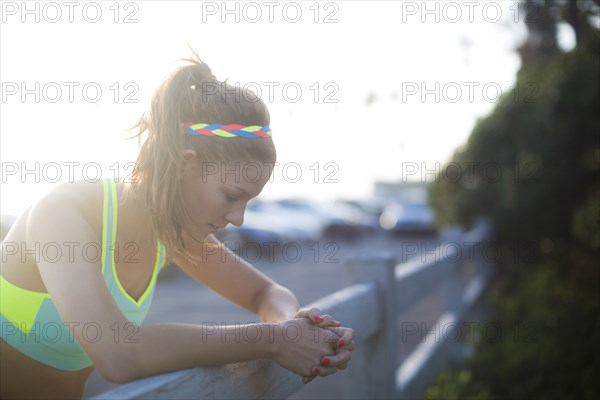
{"x": 260, "y": 379}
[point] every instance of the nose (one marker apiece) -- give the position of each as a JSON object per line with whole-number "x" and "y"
{"x": 235, "y": 216}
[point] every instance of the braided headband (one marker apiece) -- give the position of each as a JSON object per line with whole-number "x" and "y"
{"x": 193, "y": 129}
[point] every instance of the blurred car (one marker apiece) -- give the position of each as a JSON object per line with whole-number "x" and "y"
{"x": 299, "y": 217}
{"x": 294, "y": 220}
{"x": 341, "y": 220}
{"x": 261, "y": 227}
{"x": 366, "y": 213}
{"x": 413, "y": 217}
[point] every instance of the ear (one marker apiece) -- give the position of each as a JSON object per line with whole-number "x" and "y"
{"x": 189, "y": 155}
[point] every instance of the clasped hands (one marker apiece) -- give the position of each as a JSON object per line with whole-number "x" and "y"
{"x": 332, "y": 351}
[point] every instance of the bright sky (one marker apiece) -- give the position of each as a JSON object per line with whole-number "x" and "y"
{"x": 345, "y": 96}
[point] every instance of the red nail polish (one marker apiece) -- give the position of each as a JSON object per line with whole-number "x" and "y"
{"x": 338, "y": 323}
{"x": 326, "y": 361}
{"x": 341, "y": 343}
{"x": 318, "y": 318}
{"x": 316, "y": 371}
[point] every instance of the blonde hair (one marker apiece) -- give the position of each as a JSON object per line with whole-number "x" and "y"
{"x": 191, "y": 93}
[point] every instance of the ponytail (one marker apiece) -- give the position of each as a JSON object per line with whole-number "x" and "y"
{"x": 190, "y": 94}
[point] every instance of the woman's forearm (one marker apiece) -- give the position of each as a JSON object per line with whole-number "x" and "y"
{"x": 276, "y": 304}
{"x": 188, "y": 346}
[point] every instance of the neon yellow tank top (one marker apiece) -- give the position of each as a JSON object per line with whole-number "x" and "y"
{"x": 32, "y": 325}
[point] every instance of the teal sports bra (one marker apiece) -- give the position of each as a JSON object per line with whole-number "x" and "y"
{"x": 32, "y": 325}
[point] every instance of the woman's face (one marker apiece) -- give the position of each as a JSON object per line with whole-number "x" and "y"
{"x": 216, "y": 193}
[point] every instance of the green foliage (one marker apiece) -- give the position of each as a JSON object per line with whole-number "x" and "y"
{"x": 537, "y": 155}
{"x": 544, "y": 138}
{"x": 549, "y": 347}
{"x": 457, "y": 385}
{"x": 553, "y": 347}
{"x": 585, "y": 222}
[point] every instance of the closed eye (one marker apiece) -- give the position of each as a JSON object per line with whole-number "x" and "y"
{"x": 230, "y": 197}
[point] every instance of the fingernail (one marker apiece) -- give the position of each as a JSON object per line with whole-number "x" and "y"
{"x": 326, "y": 361}
{"x": 341, "y": 343}
{"x": 338, "y": 323}
{"x": 316, "y": 371}
{"x": 305, "y": 380}
{"x": 318, "y": 318}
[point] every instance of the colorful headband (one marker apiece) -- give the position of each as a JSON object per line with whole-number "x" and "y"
{"x": 193, "y": 129}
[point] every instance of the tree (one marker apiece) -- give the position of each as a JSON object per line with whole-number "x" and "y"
{"x": 543, "y": 138}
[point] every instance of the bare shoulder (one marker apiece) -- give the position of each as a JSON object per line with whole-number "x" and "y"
{"x": 70, "y": 202}
{"x": 69, "y": 213}
{"x": 80, "y": 194}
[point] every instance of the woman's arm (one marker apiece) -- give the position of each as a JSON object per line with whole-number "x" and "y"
{"x": 295, "y": 344}
{"x": 276, "y": 303}
{"x": 222, "y": 270}
{"x": 122, "y": 352}
{"x": 234, "y": 278}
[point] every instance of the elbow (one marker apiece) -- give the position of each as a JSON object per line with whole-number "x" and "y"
{"x": 111, "y": 377}
{"x": 118, "y": 368}
{"x": 117, "y": 377}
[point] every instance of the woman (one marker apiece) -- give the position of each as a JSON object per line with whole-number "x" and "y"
{"x": 64, "y": 315}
